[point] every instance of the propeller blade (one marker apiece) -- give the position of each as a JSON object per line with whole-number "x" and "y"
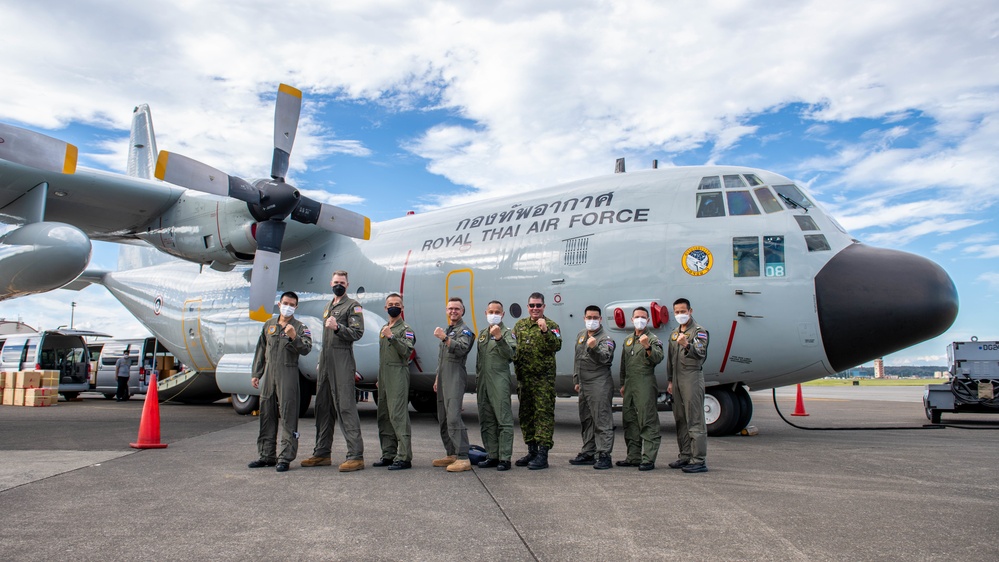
{"x": 287, "y": 110}
{"x": 332, "y": 218}
{"x": 29, "y": 148}
{"x": 266, "y": 267}
{"x": 187, "y": 172}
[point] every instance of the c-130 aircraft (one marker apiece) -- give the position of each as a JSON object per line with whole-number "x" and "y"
{"x": 788, "y": 295}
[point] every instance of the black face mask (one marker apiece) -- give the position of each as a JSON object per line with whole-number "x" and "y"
{"x": 394, "y": 311}
{"x": 339, "y": 290}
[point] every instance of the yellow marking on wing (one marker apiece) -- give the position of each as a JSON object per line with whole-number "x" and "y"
{"x": 367, "y": 228}
{"x": 161, "y": 164}
{"x": 69, "y": 165}
{"x": 260, "y": 315}
{"x": 291, "y": 91}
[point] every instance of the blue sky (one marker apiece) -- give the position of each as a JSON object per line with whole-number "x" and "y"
{"x": 887, "y": 111}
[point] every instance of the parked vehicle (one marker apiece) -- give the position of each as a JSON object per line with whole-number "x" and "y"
{"x": 63, "y": 350}
{"x": 147, "y": 356}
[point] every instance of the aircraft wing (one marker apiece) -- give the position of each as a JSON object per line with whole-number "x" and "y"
{"x": 105, "y": 206}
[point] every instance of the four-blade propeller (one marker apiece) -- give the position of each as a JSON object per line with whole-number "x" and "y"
{"x": 271, "y": 201}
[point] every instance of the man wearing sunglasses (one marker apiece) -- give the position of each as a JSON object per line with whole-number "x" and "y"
{"x": 538, "y": 339}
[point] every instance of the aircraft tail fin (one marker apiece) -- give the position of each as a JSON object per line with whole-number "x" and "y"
{"x": 142, "y": 144}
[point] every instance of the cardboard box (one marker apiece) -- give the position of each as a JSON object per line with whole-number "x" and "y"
{"x": 37, "y": 401}
{"x": 164, "y": 363}
{"x": 28, "y": 379}
{"x": 53, "y": 399}
{"x": 9, "y": 379}
{"x": 18, "y": 396}
{"x": 8, "y": 396}
{"x": 50, "y": 379}
{"x": 31, "y": 393}
{"x": 3, "y": 380}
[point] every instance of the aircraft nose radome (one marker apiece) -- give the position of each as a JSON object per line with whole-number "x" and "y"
{"x": 874, "y": 301}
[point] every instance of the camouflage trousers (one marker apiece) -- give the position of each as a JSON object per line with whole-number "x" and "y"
{"x": 537, "y": 409}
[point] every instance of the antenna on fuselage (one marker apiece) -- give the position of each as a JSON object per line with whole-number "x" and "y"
{"x": 619, "y": 166}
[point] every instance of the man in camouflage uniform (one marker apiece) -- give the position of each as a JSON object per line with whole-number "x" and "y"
{"x": 275, "y": 372}
{"x": 450, "y": 384}
{"x": 641, "y": 353}
{"x": 497, "y": 347}
{"x": 538, "y": 339}
{"x": 688, "y": 348}
{"x": 395, "y": 345}
{"x": 591, "y": 374}
{"x": 343, "y": 324}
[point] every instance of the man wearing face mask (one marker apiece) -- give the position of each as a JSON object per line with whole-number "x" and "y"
{"x": 592, "y": 378}
{"x": 343, "y": 324}
{"x": 395, "y": 345}
{"x": 449, "y": 385}
{"x": 688, "y": 348}
{"x": 283, "y": 340}
{"x": 496, "y": 347}
{"x": 538, "y": 339}
{"x": 639, "y": 357}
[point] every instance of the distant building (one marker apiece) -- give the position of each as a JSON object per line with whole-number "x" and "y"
{"x": 941, "y": 375}
{"x": 879, "y": 368}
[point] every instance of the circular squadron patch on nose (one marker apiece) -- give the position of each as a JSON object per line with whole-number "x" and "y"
{"x": 697, "y": 260}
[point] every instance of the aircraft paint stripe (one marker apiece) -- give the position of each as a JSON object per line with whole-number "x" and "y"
{"x": 290, "y": 90}
{"x": 728, "y": 347}
{"x": 402, "y": 282}
{"x": 367, "y": 229}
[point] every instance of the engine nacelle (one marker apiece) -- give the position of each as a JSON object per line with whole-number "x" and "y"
{"x": 41, "y": 256}
{"x": 204, "y": 229}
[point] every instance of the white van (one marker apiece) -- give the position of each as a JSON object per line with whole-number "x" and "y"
{"x": 146, "y": 354}
{"x": 52, "y": 350}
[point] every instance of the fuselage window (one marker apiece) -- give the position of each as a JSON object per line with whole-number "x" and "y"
{"x": 734, "y": 181}
{"x": 792, "y": 192}
{"x": 709, "y": 182}
{"x": 817, "y": 242}
{"x": 741, "y": 203}
{"x": 710, "y": 205}
{"x": 752, "y": 179}
{"x": 773, "y": 256}
{"x": 767, "y": 200}
{"x": 805, "y": 222}
{"x": 746, "y": 256}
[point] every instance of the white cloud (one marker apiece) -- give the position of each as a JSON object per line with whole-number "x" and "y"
{"x": 991, "y": 279}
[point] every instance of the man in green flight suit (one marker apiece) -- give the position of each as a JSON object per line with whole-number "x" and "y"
{"x": 538, "y": 339}
{"x": 450, "y": 384}
{"x": 688, "y": 348}
{"x": 496, "y": 349}
{"x": 395, "y": 345}
{"x": 283, "y": 340}
{"x": 592, "y": 377}
{"x": 343, "y": 324}
{"x": 641, "y": 353}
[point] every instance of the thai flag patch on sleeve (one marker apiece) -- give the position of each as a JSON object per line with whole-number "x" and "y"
{"x": 306, "y": 332}
{"x": 702, "y": 335}
{"x": 410, "y": 335}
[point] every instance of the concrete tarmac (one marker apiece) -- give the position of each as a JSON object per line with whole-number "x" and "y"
{"x": 71, "y": 487}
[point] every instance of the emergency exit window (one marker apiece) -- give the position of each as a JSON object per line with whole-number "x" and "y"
{"x": 773, "y": 256}
{"x": 746, "y": 256}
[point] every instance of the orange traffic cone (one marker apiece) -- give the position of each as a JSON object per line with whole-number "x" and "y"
{"x": 149, "y": 425}
{"x": 799, "y": 405}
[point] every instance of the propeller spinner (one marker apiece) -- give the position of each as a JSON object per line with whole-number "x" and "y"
{"x": 271, "y": 201}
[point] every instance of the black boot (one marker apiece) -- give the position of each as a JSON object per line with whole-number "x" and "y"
{"x": 603, "y": 462}
{"x": 532, "y": 451}
{"x": 540, "y": 460}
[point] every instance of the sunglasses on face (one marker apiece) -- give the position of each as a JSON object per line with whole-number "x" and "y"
{"x": 535, "y": 305}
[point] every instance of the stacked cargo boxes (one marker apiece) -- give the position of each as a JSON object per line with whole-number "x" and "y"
{"x": 30, "y": 388}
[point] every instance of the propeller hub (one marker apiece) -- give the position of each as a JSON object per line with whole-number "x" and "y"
{"x": 277, "y": 200}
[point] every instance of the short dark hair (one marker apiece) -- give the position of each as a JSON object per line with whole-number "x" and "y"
{"x": 537, "y": 296}
{"x": 290, "y": 294}
{"x": 594, "y": 308}
{"x": 682, "y": 301}
{"x": 459, "y": 301}
{"x": 637, "y": 308}
{"x": 494, "y": 302}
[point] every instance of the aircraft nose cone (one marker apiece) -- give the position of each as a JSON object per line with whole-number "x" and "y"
{"x": 875, "y": 301}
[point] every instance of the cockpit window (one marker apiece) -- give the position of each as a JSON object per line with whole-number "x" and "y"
{"x": 746, "y": 256}
{"x": 709, "y": 182}
{"x": 816, "y": 242}
{"x": 734, "y": 181}
{"x": 752, "y": 179}
{"x": 773, "y": 256}
{"x": 791, "y": 191}
{"x": 767, "y": 200}
{"x": 805, "y": 222}
{"x": 710, "y": 205}
{"x": 741, "y": 203}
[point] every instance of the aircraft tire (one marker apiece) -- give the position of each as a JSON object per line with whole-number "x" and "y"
{"x": 932, "y": 415}
{"x": 424, "y": 402}
{"x": 70, "y": 395}
{"x": 721, "y": 405}
{"x": 108, "y": 395}
{"x": 745, "y": 403}
{"x": 245, "y": 404}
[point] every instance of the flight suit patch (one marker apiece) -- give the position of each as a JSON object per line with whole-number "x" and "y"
{"x": 272, "y": 330}
{"x": 627, "y": 342}
{"x": 581, "y": 338}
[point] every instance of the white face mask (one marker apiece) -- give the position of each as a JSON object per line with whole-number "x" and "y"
{"x": 592, "y": 325}
{"x": 494, "y": 319}
{"x": 640, "y": 323}
{"x": 287, "y": 310}
{"x": 682, "y": 318}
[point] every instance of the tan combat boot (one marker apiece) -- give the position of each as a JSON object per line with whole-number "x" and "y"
{"x": 317, "y": 461}
{"x": 351, "y": 465}
{"x": 446, "y": 461}
{"x": 460, "y": 465}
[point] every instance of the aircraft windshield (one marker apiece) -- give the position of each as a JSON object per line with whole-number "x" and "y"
{"x": 791, "y": 191}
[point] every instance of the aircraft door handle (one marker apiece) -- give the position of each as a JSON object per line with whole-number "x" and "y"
{"x": 744, "y": 315}
{"x": 741, "y": 292}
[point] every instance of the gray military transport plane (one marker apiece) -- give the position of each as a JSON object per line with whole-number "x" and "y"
{"x": 787, "y": 294}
